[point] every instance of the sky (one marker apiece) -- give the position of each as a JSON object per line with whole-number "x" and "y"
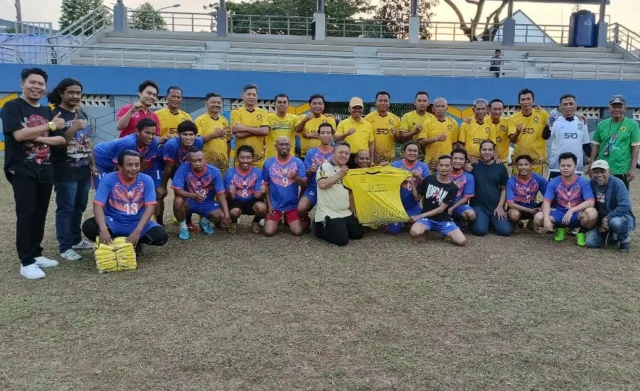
{"x": 621, "y": 11}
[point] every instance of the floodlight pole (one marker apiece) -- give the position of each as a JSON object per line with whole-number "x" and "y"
{"x": 119, "y": 17}
{"x": 414, "y": 23}
{"x": 221, "y": 19}
{"x": 509, "y": 27}
{"x": 602, "y": 25}
{"x": 319, "y": 23}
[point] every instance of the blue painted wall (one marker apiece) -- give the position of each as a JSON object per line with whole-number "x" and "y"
{"x": 336, "y": 88}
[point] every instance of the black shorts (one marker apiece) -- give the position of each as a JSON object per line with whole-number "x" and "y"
{"x": 245, "y": 206}
{"x": 527, "y": 215}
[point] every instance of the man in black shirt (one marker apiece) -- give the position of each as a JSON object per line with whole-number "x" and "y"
{"x": 30, "y": 131}
{"x": 491, "y": 192}
{"x": 73, "y": 166}
{"x": 437, "y": 192}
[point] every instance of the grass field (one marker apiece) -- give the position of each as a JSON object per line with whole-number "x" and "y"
{"x": 386, "y": 313}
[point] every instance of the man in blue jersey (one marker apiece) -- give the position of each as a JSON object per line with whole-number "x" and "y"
{"x": 174, "y": 153}
{"x": 243, "y": 183}
{"x": 123, "y": 206}
{"x": 283, "y": 176}
{"x": 460, "y": 209}
{"x": 420, "y": 171}
{"x": 142, "y": 141}
{"x": 574, "y": 202}
{"x": 522, "y": 192}
{"x": 312, "y": 162}
{"x": 196, "y": 185}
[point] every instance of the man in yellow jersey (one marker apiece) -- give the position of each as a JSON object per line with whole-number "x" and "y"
{"x": 250, "y": 124}
{"x": 357, "y": 132}
{"x": 412, "y": 123}
{"x": 171, "y": 116}
{"x": 501, "y": 128}
{"x": 281, "y": 123}
{"x": 215, "y": 132}
{"x": 526, "y": 133}
{"x": 438, "y": 136}
{"x": 473, "y": 133}
{"x": 385, "y": 128}
{"x": 308, "y": 126}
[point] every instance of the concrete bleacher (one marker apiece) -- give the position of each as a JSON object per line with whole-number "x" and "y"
{"x": 349, "y": 56}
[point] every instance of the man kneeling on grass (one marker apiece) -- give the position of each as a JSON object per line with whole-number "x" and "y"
{"x": 123, "y": 206}
{"x": 196, "y": 185}
{"x": 437, "y": 192}
{"x": 574, "y": 202}
{"x": 615, "y": 216}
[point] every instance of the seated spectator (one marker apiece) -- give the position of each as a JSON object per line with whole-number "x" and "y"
{"x": 496, "y": 63}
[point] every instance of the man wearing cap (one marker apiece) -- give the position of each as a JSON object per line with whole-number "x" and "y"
{"x": 357, "y": 132}
{"x": 615, "y": 216}
{"x": 617, "y": 140}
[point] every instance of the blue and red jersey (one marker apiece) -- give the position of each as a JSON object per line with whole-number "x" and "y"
{"x": 246, "y": 184}
{"x": 283, "y": 191}
{"x": 123, "y": 201}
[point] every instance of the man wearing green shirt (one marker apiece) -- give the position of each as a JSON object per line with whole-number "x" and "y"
{"x": 617, "y": 140}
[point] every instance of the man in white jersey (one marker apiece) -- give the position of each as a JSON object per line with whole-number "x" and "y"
{"x": 567, "y": 133}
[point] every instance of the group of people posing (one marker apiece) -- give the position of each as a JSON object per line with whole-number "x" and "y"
{"x": 459, "y": 174}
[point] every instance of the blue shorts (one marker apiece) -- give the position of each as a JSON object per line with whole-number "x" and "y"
{"x": 557, "y": 214}
{"x": 457, "y": 212}
{"x": 156, "y": 172}
{"x": 396, "y": 228}
{"x": 444, "y": 227}
{"x": 202, "y": 209}
{"x": 120, "y": 228}
{"x": 312, "y": 195}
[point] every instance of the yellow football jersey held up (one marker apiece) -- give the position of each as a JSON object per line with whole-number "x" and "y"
{"x": 311, "y": 127}
{"x": 448, "y": 127}
{"x": 117, "y": 256}
{"x": 376, "y": 194}
{"x": 255, "y": 118}
{"x": 473, "y": 133}
{"x": 216, "y": 151}
{"x": 530, "y": 141}
{"x": 169, "y": 122}
{"x": 385, "y": 140}
{"x": 281, "y": 127}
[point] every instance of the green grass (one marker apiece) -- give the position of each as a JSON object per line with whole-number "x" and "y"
{"x": 245, "y": 312}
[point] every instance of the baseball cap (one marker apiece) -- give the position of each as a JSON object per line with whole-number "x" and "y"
{"x": 355, "y": 101}
{"x": 618, "y": 99}
{"x": 602, "y": 164}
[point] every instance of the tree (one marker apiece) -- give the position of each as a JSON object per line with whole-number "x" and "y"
{"x": 394, "y": 16}
{"x": 73, "y": 10}
{"x": 145, "y": 17}
{"x": 491, "y": 24}
{"x": 339, "y": 9}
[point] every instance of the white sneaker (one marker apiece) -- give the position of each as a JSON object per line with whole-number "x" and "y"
{"x": 262, "y": 222}
{"x": 46, "y": 262}
{"x": 71, "y": 255}
{"x": 31, "y": 272}
{"x": 83, "y": 245}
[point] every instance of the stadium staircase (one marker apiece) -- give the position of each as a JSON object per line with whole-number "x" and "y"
{"x": 349, "y": 56}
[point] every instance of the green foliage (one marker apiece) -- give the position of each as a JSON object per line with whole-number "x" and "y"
{"x": 340, "y": 9}
{"x": 145, "y": 17}
{"x": 396, "y": 14}
{"x": 73, "y": 10}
